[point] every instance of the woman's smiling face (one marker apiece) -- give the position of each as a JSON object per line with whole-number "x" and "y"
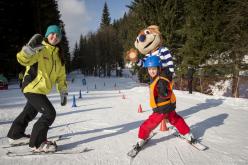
{"x": 53, "y": 38}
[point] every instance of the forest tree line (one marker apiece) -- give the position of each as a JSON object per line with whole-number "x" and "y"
{"x": 208, "y": 35}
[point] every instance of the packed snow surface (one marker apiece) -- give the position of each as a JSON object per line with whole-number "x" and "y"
{"x": 106, "y": 121}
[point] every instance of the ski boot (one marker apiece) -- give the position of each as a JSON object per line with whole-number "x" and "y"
{"x": 21, "y": 141}
{"x": 136, "y": 148}
{"x": 47, "y": 146}
{"x": 189, "y": 137}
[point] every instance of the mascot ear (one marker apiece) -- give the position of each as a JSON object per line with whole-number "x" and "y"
{"x": 154, "y": 27}
{"x": 132, "y": 55}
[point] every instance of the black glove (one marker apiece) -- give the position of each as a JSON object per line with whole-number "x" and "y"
{"x": 35, "y": 42}
{"x": 63, "y": 98}
{"x": 33, "y": 45}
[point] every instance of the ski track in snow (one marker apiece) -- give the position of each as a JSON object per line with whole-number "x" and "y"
{"x": 108, "y": 125}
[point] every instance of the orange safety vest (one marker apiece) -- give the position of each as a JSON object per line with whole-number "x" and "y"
{"x": 172, "y": 98}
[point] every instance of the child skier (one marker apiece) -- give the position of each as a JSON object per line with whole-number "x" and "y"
{"x": 163, "y": 103}
{"x": 45, "y": 66}
{"x": 167, "y": 66}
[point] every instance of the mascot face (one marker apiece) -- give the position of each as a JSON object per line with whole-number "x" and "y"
{"x": 148, "y": 39}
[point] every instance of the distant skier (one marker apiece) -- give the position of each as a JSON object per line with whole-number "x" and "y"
{"x": 190, "y": 76}
{"x": 163, "y": 103}
{"x": 45, "y": 66}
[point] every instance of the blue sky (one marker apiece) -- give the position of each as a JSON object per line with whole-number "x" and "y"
{"x": 84, "y": 16}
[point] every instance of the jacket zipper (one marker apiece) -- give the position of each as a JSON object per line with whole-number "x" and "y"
{"x": 52, "y": 63}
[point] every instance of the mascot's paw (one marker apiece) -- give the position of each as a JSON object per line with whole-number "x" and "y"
{"x": 132, "y": 55}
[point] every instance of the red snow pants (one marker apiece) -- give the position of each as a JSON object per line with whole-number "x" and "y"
{"x": 155, "y": 118}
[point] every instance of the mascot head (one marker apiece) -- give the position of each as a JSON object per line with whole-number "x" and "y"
{"x": 148, "y": 40}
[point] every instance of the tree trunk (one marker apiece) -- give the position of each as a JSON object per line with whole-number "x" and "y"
{"x": 201, "y": 84}
{"x": 235, "y": 82}
{"x": 181, "y": 83}
{"x": 236, "y": 88}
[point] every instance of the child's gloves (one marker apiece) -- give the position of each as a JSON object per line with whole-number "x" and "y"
{"x": 33, "y": 45}
{"x": 63, "y": 97}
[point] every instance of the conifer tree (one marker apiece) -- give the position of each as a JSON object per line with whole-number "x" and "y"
{"x": 235, "y": 39}
{"x": 76, "y": 56}
{"x": 15, "y": 30}
{"x": 105, "y": 21}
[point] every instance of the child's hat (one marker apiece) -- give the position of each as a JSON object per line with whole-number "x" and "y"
{"x": 53, "y": 29}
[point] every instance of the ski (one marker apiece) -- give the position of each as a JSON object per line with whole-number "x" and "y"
{"x": 53, "y": 139}
{"x": 134, "y": 152}
{"x": 30, "y": 153}
{"x": 196, "y": 143}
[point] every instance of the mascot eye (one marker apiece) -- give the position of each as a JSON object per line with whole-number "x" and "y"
{"x": 147, "y": 32}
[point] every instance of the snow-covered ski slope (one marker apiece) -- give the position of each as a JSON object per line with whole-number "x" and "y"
{"x": 107, "y": 124}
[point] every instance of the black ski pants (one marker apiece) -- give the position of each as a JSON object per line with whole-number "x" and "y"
{"x": 35, "y": 103}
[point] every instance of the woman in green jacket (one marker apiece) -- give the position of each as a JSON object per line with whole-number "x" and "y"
{"x": 45, "y": 67}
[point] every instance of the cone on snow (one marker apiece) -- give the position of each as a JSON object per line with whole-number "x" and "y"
{"x": 140, "y": 109}
{"x": 163, "y": 126}
{"x": 74, "y": 101}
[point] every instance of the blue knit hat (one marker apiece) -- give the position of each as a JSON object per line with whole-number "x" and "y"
{"x": 53, "y": 29}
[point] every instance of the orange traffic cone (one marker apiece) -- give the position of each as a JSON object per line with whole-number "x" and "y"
{"x": 163, "y": 126}
{"x": 140, "y": 109}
